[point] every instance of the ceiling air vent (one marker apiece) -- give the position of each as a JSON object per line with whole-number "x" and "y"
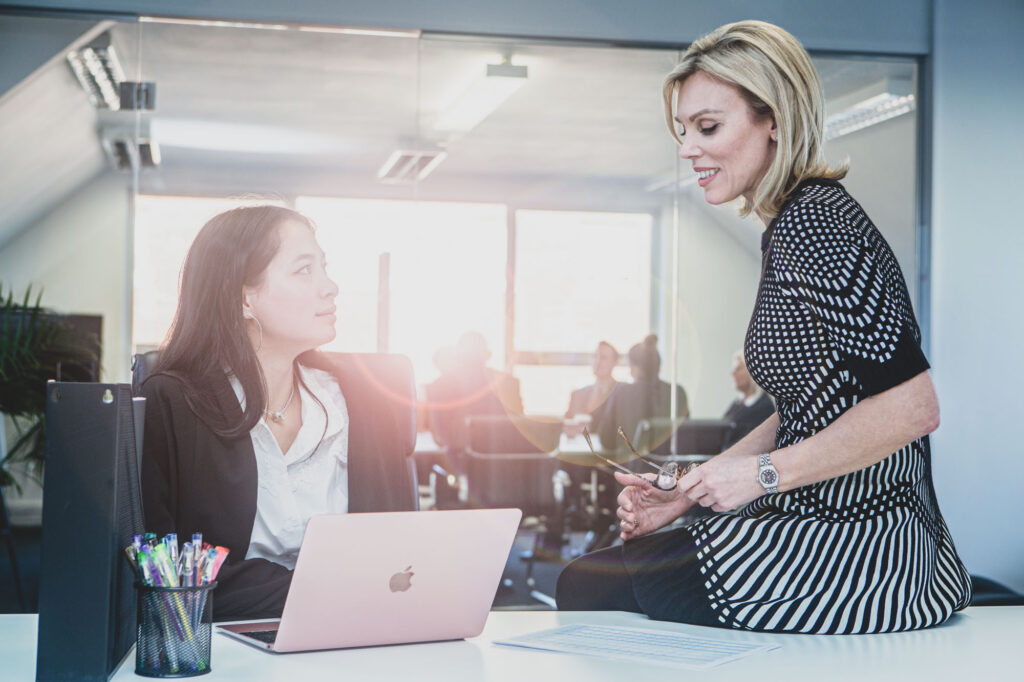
{"x": 406, "y": 166}
{"x": 126, "y": 140}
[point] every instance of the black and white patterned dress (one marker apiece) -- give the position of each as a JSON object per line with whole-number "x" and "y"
{"x": 861, "y": 553}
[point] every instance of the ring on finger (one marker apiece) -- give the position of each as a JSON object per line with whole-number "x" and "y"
{"x": 636, "y": 524}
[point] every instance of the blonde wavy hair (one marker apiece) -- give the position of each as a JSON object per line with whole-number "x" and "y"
{"x": 775, "y": 76}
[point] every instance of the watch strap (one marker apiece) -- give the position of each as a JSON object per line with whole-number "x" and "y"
{"x": 767, "y": 474}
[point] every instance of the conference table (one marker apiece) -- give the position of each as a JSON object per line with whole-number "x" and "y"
{"x": 979, "y": 643}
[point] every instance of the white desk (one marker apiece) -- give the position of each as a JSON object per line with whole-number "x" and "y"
{"x": 982, "y": 643}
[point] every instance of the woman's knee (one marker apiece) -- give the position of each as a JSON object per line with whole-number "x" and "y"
{"x": 566, "y": 593}
{"x": 570, "y": 591}
{"x": 595, "y": 582}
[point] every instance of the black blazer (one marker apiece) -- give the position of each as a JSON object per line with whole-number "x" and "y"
{"x": 194, "y": 480}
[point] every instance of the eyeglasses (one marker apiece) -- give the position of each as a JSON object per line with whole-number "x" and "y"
{"x": 668, "y": 475}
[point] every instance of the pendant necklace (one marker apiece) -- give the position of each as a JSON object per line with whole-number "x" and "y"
{"x": 278, "y": 416}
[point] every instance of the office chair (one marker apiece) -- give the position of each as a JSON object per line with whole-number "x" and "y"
{"x": 389, "y": 375}
{"x": 509, "y": 462}
{"x": 143, "y": 365}
{"x": 681, "y": 440}
{"x": 988, "y": 592}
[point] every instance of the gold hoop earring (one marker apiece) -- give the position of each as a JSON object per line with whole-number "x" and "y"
{"x": 259, "y": 327}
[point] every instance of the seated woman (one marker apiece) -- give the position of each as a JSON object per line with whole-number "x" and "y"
{"x": 250, "y": 431}
{"x": 827, "y": 518}
{"x": 646, "y": 398}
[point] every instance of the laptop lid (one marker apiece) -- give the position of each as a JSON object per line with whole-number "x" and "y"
{"x": 395, "y": 578}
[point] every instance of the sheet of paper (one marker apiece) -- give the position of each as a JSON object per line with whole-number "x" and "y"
{"x": 638, "y": 645}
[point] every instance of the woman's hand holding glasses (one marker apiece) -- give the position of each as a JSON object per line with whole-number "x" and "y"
{"x": 644, "y": 508}
{"x": 649, "y": 501}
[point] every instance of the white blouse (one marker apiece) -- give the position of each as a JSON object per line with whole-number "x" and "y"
{"x": 311, "y": 478}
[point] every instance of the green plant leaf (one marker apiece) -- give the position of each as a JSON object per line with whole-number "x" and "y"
{"x": 34, "y": 343}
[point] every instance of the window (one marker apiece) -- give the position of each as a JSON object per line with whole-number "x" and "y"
{"x": 164, "y": 229}
{"x": 581, "y": 278}
{"x": 447, "y": 273}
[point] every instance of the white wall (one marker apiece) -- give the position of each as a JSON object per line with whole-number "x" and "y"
{"x": 882, "y": 178}
{"x": 977, "y": 256}
{"x": 719, "y": 266}
{"x": 76, "y": 253}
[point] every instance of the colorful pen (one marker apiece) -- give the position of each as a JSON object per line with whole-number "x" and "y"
{"x": 197, "y": 548}
{"x": 187, "y": 559}
{"x": 171, "y": 543}
{"x": 163, "y": 564}
{"x": 222, "y": 555}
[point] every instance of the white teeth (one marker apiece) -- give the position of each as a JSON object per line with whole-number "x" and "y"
{"x": 706, "y": 173}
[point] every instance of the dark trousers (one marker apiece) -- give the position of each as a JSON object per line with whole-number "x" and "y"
{"x": 657, "y": 575}
{"x": 597, "y": 581}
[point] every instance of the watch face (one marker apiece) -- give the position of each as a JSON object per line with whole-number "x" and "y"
{"x": 769, "y": 477}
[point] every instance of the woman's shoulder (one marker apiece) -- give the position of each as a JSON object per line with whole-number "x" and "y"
{"x": 163, "y": 385}
{"x": 815, "y": 202}
{"x": 177, "y": 389}
{"x": 821, "y": 219}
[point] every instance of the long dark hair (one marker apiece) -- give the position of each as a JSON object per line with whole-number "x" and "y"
{"x": 209, "y": 334}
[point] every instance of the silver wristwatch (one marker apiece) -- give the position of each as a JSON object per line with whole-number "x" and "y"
{"x": 767, "y": 474}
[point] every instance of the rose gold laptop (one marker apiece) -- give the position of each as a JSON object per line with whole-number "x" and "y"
{"x": 390, "y": 578}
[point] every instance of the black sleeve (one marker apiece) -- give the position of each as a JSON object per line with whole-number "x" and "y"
{"x": 159, "y": 461}
{"x": 850, "y": 283}
{"x": 252, "y": 588}
{"x": 246, "y": 588}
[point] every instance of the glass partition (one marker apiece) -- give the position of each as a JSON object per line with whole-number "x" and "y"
{"x": 527, "y": 191}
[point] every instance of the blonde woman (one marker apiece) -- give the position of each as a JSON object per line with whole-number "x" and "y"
{"x": 827, "y": 518}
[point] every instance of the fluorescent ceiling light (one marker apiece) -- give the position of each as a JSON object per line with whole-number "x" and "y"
{"x": 405, "y": 165}
{"x": 240, "y": 137}
{"x": 482, "y": 97}
{"x": 881, "y": 101}
{"x": 99, "y": 72}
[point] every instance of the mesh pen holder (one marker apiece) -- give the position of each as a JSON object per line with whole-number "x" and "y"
{"x": 173, "y": 630}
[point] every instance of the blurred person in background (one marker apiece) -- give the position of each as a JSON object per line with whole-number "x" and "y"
{"x": 750, "y": 408}
{"x": 585, "y": 401}
{"x": 646, "y": 397}
{"x": 469, "y": 388}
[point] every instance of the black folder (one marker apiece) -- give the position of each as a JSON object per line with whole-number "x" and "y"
{"x": 91, "y": 508}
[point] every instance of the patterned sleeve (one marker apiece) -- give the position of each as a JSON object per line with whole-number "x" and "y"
{"x": 845, "y": 275}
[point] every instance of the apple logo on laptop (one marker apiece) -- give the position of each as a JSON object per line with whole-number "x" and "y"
{"x": 402, "y": 581}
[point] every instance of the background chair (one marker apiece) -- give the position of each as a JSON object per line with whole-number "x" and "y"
{"x": 682, "y": 439}
{"x": 510, "y": 462}
{"x": 390, "y": 375}
{"x": 987, "y": 592}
